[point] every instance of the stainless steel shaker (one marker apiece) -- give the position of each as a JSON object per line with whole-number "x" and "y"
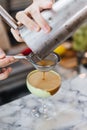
{"x": 64, "y": 18}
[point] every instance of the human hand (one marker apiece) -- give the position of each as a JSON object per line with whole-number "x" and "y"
{"x": 32, "y": 18}
{"x": 5, "y": 61}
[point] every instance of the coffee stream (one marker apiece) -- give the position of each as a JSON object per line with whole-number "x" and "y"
{"x": 45, "y": 63}
{"x": 43, "y": 78}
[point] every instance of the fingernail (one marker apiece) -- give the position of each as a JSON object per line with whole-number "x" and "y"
{"x": 36, "y": 28}
{"x": 46, "y": 29}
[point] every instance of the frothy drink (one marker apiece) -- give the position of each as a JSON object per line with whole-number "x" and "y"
{"x": 44, "y": 83}
{"x": 50, "y": 84}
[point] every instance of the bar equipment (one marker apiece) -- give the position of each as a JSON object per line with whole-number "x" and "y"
{"x": 64, "y": 18}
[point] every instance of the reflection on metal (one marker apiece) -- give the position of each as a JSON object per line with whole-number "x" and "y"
{"x": 83, "y": 75}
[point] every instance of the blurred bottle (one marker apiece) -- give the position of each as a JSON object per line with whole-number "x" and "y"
{"x": 80, "y": 39}
{"x": 80, "y": 44}
{"x": 68, "y": 55}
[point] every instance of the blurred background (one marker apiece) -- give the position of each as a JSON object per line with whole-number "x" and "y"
{"x": 73, "y": 54}
{"x": 14, "y": 86}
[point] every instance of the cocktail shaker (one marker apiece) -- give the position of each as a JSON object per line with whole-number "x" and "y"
{"x": 64, "y": 18}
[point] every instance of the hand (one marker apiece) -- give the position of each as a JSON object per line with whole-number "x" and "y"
{"x": 32, "y": 18}
{"x": 5, "y": 61}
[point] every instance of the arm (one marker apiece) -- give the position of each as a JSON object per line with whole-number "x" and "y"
{"x": 34, "y": 21}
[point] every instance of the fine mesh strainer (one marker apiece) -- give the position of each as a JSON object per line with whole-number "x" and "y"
{"x": 52, "y": 57}
{"x": 52, "y": 60}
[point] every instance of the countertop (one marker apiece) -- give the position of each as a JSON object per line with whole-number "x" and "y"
{"x": 70, "y": 104}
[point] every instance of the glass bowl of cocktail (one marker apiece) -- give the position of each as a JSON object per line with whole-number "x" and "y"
{"x": 44, "y": 82}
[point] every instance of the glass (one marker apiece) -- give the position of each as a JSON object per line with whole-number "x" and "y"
{"x": 43, "y": 83}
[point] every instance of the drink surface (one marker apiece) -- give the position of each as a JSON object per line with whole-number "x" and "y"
{"x": 46, "y": 62}
{"x": 49, "y": 84}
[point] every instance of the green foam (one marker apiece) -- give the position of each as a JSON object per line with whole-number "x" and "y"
{"x": 37, "y": 92}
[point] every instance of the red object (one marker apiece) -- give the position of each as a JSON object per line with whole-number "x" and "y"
{"x": 26, "y": 51}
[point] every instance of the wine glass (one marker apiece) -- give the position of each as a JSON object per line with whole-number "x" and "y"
{"x": 44, "y": 82}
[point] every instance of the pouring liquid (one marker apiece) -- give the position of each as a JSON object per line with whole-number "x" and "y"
{"x": 45, "y": 63}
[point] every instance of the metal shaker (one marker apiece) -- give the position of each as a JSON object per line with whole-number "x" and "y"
{"x": 64, "y": 18}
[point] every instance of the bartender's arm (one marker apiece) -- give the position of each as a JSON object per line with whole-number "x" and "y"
{"x": 5, "y": 62}
{"x": 33, "y": 20}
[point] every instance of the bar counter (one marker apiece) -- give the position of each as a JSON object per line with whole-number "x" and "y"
{"x": 70, "y": 104}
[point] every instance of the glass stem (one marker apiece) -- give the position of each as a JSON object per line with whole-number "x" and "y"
{"x": 43, "y": 107}
{"x": 43, "y": 76}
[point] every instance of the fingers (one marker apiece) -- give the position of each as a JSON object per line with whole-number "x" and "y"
{"x": 6, "y": 61}
{"x": 16, "y": 35}
{"x": 32, "y": 18}
{"x": 5, "y": 73}
{"x": 46, "y": 5}
{"x": 28, "y": 22}
{"x": 35, "y": 13}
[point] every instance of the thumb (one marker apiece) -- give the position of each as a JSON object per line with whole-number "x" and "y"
{"x": 2, "y": 54}
{"x": 47, "y": 5}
